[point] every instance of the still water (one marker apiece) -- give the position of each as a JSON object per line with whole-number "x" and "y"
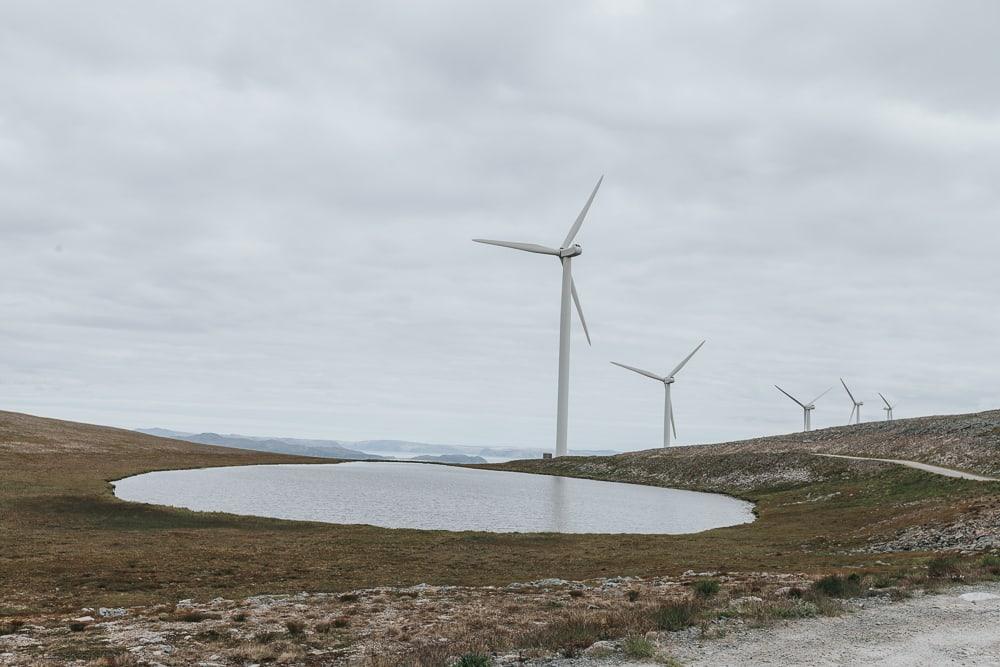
{"x": 414, "y": 495}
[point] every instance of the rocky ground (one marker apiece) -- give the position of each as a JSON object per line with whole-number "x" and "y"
{"x": 753, "y": 618}
{"x": 376, "y": 626}
{"x": 979, "y": 528}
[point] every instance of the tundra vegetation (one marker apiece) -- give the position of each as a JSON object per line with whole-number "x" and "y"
{"x": 826, "y": 529}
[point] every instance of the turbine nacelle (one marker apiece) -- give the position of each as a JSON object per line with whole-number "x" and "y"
{"x": 572, "y": 251}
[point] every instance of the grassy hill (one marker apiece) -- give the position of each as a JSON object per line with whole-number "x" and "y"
{"x": 68, "y": 542}
{"x": 963, "y": 442}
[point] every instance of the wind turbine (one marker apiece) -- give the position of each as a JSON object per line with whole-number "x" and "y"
{"x": 668, "y": 406}
{"x": 856, "y": 410}
{"x": 565, "y": 253}
{"x": 888, "y": 408}
{"x": 806, "y": 407}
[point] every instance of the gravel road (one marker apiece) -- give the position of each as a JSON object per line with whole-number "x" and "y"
{"x": 926, "y": 467}
{"x": 927, "y": 630}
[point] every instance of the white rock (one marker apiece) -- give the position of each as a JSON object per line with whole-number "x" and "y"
{"x": 117, "y": 611}
{"x": 84, "y": 619}
{"x": 978, "y": 597}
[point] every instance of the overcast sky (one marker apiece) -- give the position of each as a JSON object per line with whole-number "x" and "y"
{"x": 256, "y": 217}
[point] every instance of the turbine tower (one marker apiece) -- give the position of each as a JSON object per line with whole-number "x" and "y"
{"x": 668, "y": 406}
{"x": 566, "y": 252}
{"x": 856, "y": 410}
{"x": 888, "y": 408}
{"x": 806, "y": 407}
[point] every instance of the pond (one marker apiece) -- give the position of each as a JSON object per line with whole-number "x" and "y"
{"x": 435, "y": 497}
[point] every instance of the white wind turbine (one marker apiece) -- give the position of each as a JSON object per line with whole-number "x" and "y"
{"x": 888, "y": 408}
{"x": 856, "y": 410}
{"x": 806, "y": 407}
{"x": 565, "y": 253}
{"x": 668, "y": 406}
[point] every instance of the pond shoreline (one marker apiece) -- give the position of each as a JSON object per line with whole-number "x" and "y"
{"x": 455, "y": 498}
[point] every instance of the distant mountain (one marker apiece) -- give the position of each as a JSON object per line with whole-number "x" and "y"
{"x": 367, "y": 449}
{"x": 450, "y": 458}
{"x": 320, "y": 448}
{"x": 403, "y": 447}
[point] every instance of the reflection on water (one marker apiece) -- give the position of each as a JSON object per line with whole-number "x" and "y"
{"x": 557, "y": 501}
{"x": 413, "y": 495}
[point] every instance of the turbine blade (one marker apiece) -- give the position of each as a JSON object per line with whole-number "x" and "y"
{"x": 673, "y": 424}
{"x": 579, "y": 311}
{"x": 885, "y": 401}
{"x": 848, "y": 390}
{"x": 790, "y": 396}
{"x": 686, "y": 359}
{"x": 640, "y": 371}
{"x": 583, "y": 214}
{"x": 852, "y": 414}
{"x": 527, "y": 247}
{"x": 820, "y": 396}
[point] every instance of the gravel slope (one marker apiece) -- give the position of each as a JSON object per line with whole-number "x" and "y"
{"x": 928, "y": 630}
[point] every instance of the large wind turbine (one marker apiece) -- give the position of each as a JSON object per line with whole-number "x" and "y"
{"x": 806, "y": 407}
{"x": 856, "y": 410}
{"x": 888, "y": 408}
{"x": 668, "y": 406}
{"x": 565, "y": 253}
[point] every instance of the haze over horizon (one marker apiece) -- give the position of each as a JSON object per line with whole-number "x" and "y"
{"x": 257, "y": 218}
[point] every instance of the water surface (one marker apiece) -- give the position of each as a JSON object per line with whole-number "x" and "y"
{"x": 435, "y": 497}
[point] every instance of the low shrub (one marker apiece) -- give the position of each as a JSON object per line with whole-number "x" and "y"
{"x": 295, "y": 627}
{"x": 943, "y": 567}
{"x": 333, "y": 623}
{"x": 10, "y": 627}
{"x": 836, "y": 586}
{"x": 474, "y": 660}
{"x": 117, "y": 660}
{"x": 794, "y": 608}
{"x": 632, "y": 595}
{"x": 348, "y": 597}
{"x": 195, "y": 616}
{"x": 578, "y": 630}
{"x": 706, "y": 588}
{"x": 267, "y": 637}
{"x": 677, "y": 615}
{"x": 576, "y": 593}
{"x": 991, "y": 563}
{"x": 638, "y": 647}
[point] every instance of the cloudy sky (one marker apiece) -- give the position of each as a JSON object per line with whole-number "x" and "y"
{"x": 256, "y": 216}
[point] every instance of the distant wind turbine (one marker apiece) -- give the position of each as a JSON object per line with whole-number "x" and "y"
{"x": 888, "y": 408}
{"x": 856, "y": 410}
{"x": 668, "y": 406}
{"x": 806, "y": 407}
{"x": 565, "y": 253}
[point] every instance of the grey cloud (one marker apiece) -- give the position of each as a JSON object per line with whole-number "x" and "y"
{"x": 256, "y": 216}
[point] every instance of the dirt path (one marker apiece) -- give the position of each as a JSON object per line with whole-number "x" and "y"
{"x": 938, "y": 470}
{"x": 928, "y": 630}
